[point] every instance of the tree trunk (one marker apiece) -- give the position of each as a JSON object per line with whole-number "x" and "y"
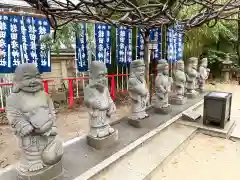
{"x": 146, "y": 56}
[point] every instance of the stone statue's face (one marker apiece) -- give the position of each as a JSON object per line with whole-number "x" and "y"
{"x": 140, "y": 71}
{"x": 166, "y": 70}
{"x": 101, "y": 80}
{"x": 31, "y": 82}
{"x": 194, "y": 66}
{"x": 204, "y": 64}
{"x": 180, "y": 67}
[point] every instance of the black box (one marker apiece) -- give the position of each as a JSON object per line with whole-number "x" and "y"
{"x": 217, "y": 108}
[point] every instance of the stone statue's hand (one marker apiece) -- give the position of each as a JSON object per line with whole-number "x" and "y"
{"x": 112, "y": 109}
{"x": 26, "y": 130}
{"x": 92, "y": 104}
{"x": 54, "y": 131}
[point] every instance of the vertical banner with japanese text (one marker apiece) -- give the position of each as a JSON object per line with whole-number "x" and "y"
{"x": 15, "y": 36}
{"x": 20, "y": 42}
{"x": 124, "y": 46}
{"x": 103, "y": 43}
{"x": 179, "y": 42}
{"x": 81, "y": 49}
{"x": 5, "y": 60}
{"x": 171, "y": 51}
{"x": 43, "y": 54}
{"x": 140, "y": 45}
{"x": 156, "y": 35}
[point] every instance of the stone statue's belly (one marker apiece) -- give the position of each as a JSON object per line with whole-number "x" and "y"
{"x": 35, "y": 108}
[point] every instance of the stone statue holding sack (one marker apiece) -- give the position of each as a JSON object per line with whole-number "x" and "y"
{"x": 203, "y": 74}
{"x": 101, "y": 107}
{"x": 162, "y": 84}
{"x": 179, "y": 84}
{"x": 138, "y": 91}
{"x": 31, "y": 114}
{"x": 191, "y": 77}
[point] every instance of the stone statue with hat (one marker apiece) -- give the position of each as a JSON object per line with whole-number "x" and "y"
{"x": 162, "y": 84}
{"x": 138, "y": 90}
{"x": 179, "y": 84}
{"x": 31, "y": 114}
{"x": 191, "y": 77}
{"x": 101, "y": 108}
{"x": 203, "y": 74}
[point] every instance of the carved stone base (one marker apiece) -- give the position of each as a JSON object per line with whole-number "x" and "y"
{"x": 178, "y": 100}
{"x": 192, "y": 95}
{"x": 49, "y": 173}
{"x": 138, "y": 123}
{"x": 105, "y": 142}
{"x": 191, "y": 116}
{"x": 163, "y": 110}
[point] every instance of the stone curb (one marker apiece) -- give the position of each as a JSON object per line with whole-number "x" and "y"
{"x": 107, "y": 162}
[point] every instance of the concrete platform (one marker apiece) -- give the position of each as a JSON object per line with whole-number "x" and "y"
{"x": 209, "y": 130}
{"x": 140, "y": 163}
{"x": 236, "y": 131}
{"x": 79, "y": 157}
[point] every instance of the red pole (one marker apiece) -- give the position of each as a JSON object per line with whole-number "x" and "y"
{"x": 70, "y": 93}
{"x": 45, "y": 84}
{"x": 112, "y": 91}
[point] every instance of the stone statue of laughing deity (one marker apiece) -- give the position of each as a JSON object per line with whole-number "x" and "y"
{"x": 31, "y": 114}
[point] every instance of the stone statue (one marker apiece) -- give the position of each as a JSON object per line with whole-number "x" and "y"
{"x": 179, "y": 84}
{"x": 138, "y": 90}
{"x": 203, "y": 74}
{"x": 97, "y": 98}
{"x": 191, "y": 77}
{"x": 162, "y": 84}
{"x": 31, "y": 114}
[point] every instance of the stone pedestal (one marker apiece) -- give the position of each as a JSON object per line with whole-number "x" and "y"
{"x": 138, "y": 123}
{"x": 163, "y": 110}
{"x": 105, "y": 142}
{"x": 191, "y": 116}
{"x": 178, "y": 100}
{"x": 191, "y": 95}
{"x": 49, "y": 173}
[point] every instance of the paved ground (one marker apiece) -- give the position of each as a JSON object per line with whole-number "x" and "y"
{"x": 205, "y": 158}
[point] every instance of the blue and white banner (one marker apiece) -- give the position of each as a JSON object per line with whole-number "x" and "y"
{"x": 21, "y": 42}
{"x": 81, "y": 50}
{"x": 103, "y": 43}
{"x": 5, "y": 61}
{"x": 124, "y": 46}
{"x": 156, "y": 35}
{"x": 171, "y": 45}
{"x": 140, "y": 46}
{"x": 179, "y": 42}
{"x": 175, "y": 44}
{"x": 42, "y": 27}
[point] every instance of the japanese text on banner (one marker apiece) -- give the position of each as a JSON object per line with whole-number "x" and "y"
{"x": 81, "y": 49}
{"x": 103, "y": 43}
{"x": 171, "y": 48}
{"x": 42, "y": 28}
{"x": 140, "y": 46}
{"x": 124, "y": 46}
{"x": 5, "y": 61}
{"x": 15, "y": 30}
{"x": 179, "y": 43}
{"x": 156, "y": 35}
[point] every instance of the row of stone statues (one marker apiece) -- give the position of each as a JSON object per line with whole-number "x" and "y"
{"x": 31, "y": 114}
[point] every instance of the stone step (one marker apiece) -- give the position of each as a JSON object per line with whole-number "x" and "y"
{"x": 140, "y": 163}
